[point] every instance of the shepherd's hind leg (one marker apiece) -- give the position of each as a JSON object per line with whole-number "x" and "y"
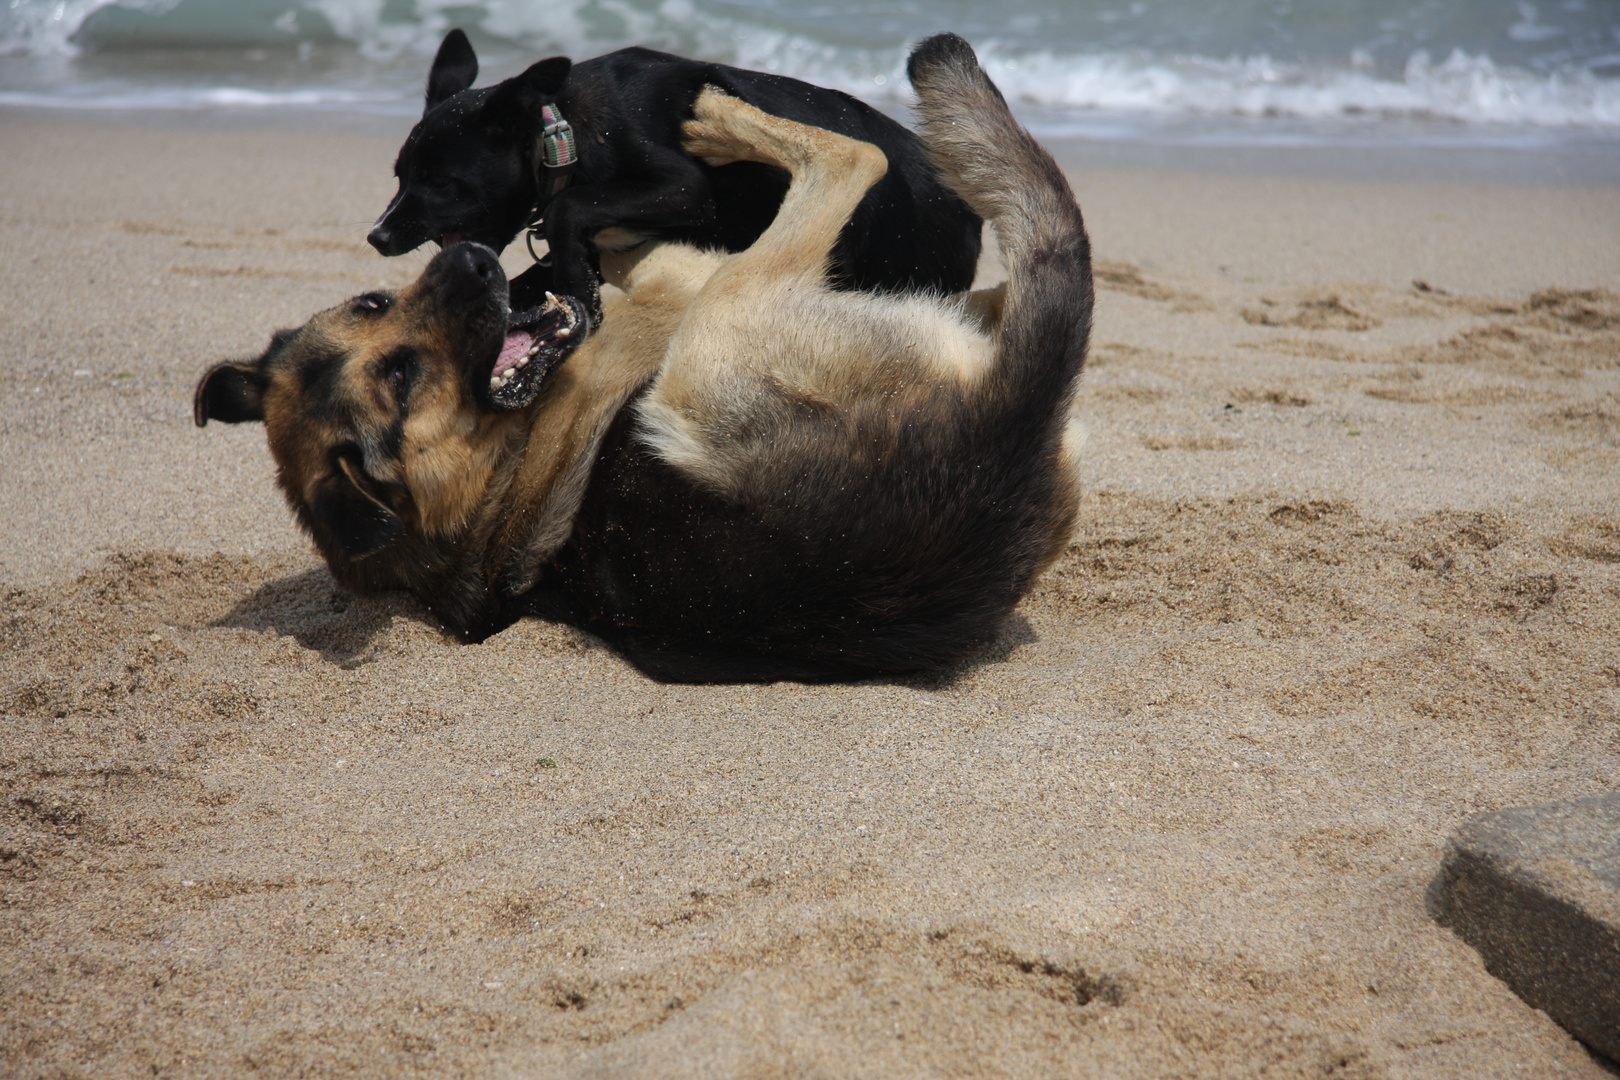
{"x": 831, "y": 175}
{"x": 745, "y": 360}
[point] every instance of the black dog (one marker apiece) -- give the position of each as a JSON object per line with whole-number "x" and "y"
{"x": 473, "y": 169}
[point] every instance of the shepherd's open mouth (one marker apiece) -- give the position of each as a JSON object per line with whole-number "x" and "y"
{"x": 537, "y": 341}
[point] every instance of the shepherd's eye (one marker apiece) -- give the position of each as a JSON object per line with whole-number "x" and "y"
{"x": 373, "y": 302}
{"x": 399, "y": 369}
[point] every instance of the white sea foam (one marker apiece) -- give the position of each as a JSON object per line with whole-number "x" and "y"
{"x": 1470, "y": 89}
{"x": 209, "y": 97}
{"x": 1064, "y": 86}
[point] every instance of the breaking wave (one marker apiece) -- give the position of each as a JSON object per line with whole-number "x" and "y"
{"x": 1069, "y": 64}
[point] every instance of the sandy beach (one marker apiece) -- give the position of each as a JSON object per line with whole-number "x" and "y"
{"x": 1347, "y": 571}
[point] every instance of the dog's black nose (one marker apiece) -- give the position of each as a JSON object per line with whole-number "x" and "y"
{"x": 381, "y": 238}
{"x": 467, "y": 270}
{"x": 480, "y": 260}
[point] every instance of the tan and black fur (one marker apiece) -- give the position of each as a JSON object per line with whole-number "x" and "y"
{"x": 744, "y": 474}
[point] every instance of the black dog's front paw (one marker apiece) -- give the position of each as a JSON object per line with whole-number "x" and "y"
{"x": 534, "y": 288}
{"x": 529, "y": 289}
{"x": 586, "y": 301}
{"x": 587, "y": 293}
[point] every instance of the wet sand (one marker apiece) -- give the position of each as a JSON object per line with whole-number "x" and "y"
{"x": 1348, "y": 570}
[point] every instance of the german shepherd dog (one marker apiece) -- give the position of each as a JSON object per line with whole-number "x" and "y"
{"x": 472, "y": 170}
{"x": 743, "y": 474}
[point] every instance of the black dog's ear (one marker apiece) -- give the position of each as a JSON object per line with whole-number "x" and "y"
{"x": 354, "y": 517}
{"x": 546, "y": 77}
{"x": 454, "y": 69}
{"x": 231, "y": 392}
{"x": 521, "y": 96}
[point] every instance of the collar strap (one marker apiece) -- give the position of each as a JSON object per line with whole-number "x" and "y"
{"x": 558, "y": 157}
{"x": 558, "y": 153}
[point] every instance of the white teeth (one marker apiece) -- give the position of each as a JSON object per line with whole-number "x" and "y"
{"x": 534, "y": 351}
{"x": 550, "y": 299}
{"x": 565, "y": 331}
{"x": 494, "y": 382}
{"x": 522, "y": 361}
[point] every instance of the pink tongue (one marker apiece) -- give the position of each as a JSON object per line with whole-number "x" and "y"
{"x": 516, "y": 348}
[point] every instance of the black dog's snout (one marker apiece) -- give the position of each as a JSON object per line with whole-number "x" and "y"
{"x": 467, "y": 271}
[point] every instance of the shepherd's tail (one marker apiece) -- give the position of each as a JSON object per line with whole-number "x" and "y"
{"x": 1010, "y": 181}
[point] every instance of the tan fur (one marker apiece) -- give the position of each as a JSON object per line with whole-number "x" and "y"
{"x": 1070, "y": 453}
{"x": 959, "y": 115}
{"x": 518, "y": 476}
{"x": 453, "y": 449}
{"x": 571, "y": 415}
{"x": 618, "y": 238}
{"x": 765, "y": 335}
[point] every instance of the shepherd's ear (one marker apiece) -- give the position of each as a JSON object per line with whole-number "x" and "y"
{"x": 355, "y": 518}
{"x": 232, "y": 392}
{"x": 522, "y": 95}
{"x": 454, "y": 69}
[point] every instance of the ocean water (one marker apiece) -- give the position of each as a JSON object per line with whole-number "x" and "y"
{"x": 1493, "y": 73}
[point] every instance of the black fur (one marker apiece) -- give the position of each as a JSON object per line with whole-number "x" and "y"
{"x": 468, "y": 171}
{"x": 231, "y": 392}
{"x": 353, "y": 516}
{"x": 908, "y": 561}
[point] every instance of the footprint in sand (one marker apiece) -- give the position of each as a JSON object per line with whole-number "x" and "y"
{"x": 1314, "y": 310}
{"x": 1592, "y": 539}
{"x": 1125, "y": 277}
{"x": 1189, "y": 442}
{"x": 1592, "y": 425}
{"x": 1469, "y": 397}
{"x": 1287, "y": 398}
{"x": 1566, "y": 329}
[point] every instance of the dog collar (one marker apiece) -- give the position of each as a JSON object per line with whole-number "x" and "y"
{"x": 558, "y": 153}
{"x": 558, "y": 156}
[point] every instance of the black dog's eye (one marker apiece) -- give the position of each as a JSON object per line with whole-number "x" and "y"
{"x": 441, "y": 185}
{"x": 373, "y": 302}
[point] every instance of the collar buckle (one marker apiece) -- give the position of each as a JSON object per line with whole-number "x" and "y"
{"x": 554, "y": 167}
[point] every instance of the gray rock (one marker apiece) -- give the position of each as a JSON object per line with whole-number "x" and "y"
{"x": 1536, "y": 890}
